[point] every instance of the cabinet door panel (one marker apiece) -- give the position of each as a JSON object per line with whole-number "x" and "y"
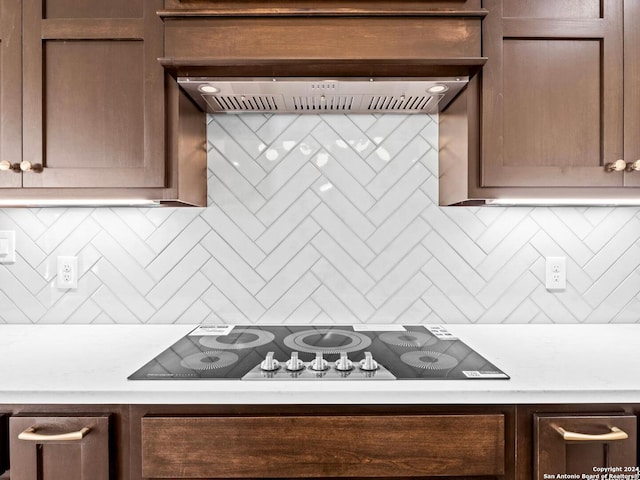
{"x": 92, "y": 9}
{"x": 552, "y": 98}
{"x": 93, "y": 100}
{"x": 553, "y": 8}
{"x": 555, "y": 455}
{"x": 10, "y": 89}
{"x": 84, "y": 459}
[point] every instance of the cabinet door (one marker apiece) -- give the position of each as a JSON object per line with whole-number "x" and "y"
{"x": 632, "y": 88}
{"x": 10, "y": 89}
{"x": 93, "y": 90}
{"x": 552, "y": 101}
{"x": 578, "y": 444}
{"x": 45, "y": 454}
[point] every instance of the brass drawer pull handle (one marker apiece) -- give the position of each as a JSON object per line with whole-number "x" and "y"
{"x": 30, "y": 434}
{"x": 614, "y": 434}
{"x": 616, "y": 166}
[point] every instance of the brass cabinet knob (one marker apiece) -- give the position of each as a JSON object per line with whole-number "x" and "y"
{"x": 27, "y": 166}
{"x": 633, "y": 166}
{"x": 5, "y": 166}
{"x": 616, "y": 166}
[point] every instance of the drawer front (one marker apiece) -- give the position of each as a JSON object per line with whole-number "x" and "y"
{"x": 43, "y": 454}
{"x": 579, "y": 444}
{"x": 322, "y": 446}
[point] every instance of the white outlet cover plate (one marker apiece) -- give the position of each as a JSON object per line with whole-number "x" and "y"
{"x": 555, "y": 273}
{"x": 8, "y": 244}
{"x": 61, "y": 262}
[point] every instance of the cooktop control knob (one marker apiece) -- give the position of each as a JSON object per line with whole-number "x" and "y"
{"x": 294, "y": 364}
{"x": 319, "y": 364}
{"x": 344, "y": 364}
{"x": 368, "y": 363}
{"x": 269, "y": 364}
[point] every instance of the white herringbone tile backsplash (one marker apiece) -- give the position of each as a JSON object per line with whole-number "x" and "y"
{"x": 323, "y": 219}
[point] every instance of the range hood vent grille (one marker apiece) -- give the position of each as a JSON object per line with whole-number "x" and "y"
{"x": 301, "y": 95}
{"x": 324, "y": 103}
{"x": 242, "y": 103}
{"x": 400, "y": 103}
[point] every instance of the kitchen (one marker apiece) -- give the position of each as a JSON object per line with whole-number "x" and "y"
{"x": 336, "y": 220}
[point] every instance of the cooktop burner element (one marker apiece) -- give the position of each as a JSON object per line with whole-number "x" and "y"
{"x": 361, "y": 352}
{"x": 408, "y": 339}
{"x": 239, "y": 339}
{"x": 327, "y": 340}
{"x": 429, "y": 360}
{"x": 209, "y": 360}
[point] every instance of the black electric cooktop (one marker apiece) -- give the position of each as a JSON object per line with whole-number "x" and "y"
{"x": 363, "y": 352}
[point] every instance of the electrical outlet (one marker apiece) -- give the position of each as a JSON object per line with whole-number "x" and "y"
{"x": 67, "y": 272}
{"x": 556, "y": 273}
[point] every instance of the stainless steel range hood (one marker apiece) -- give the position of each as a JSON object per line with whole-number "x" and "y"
{"x": 318, "y": 95}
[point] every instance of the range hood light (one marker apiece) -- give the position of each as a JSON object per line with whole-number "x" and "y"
{"x": 437, "y": 89}
{"x": 205, "y": 88}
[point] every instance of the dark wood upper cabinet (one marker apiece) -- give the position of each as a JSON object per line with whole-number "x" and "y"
{"x": 40, "y": 451}
{"x": 552, "y": 97}
{"x": 557, "y": 100}
{"x": 83, "y": 95}
{"x": 93, "y": 94}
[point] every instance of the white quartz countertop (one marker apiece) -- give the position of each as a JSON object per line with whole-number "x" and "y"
{"x": 547, "y": 363}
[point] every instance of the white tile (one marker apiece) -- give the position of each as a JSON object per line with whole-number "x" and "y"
{"x": 177, "y": 250}
{"x": 233, "y": 290}
{"x": 398, "y": 248}
{"x": 398, "y": 194}
{"x": 288, "y": 194}
{"x": 288, "y": 221}
{"x": 341, "y": 206}
{"x": 292, "y": 162}
{"x": 233, "y": 235}
{"x": 234, "y": 263}
{"x": 288, "y": 306}
{"x": 343, "y": 262}
{"x": 340, "y": 286}
{"x": 290, "y": 246}
{"x": 165, "y": 290}
{"x": 351, "y": 150}
{"x": 340, "y": 179}
{"x": 223, "y": 199}
{"x": 396, "y": 169}
{"x": 398, "y": 276}
{"x": 397, "y": 222}
{"x": 186, "y": 295}
{"x": 342, "y": 234}
{"x": 287, "y": 276}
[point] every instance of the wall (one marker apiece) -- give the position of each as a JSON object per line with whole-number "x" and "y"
{"x": 323, "y": 219}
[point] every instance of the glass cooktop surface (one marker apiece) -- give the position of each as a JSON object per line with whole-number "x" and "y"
{"x": 305, "y": 352}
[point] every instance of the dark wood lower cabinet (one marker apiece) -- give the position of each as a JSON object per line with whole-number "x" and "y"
{"x": 357, "y": 442}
